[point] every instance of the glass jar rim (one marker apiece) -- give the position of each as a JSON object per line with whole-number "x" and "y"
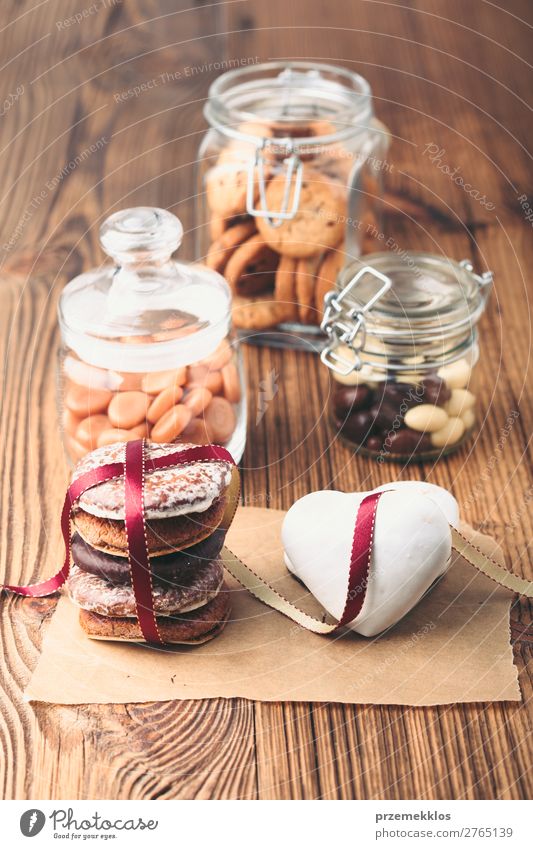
{"x": 402, "y": 313}
{"x": 355, "y": 311}
{"x": 226, "y": 117}
{"x": 385, "y": 361}
{"x": 150, "y": 357}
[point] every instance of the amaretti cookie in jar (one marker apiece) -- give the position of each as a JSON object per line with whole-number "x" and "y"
{"x": 290, "y": 182}
{"x": 402, "y": 350}
{"x": 147, "y": 345}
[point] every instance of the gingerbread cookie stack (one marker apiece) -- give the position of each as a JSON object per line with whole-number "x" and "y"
{"x": 279, "y": 270}
{"x": 183, "y": 506}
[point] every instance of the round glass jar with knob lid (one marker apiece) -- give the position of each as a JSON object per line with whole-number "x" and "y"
{"x": 402, "y": 350}
{"x": 147, "y": 345}
{"x": 289, "y": 184}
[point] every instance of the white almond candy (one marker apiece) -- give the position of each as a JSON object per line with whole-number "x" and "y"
{"x": 456, "y": 375}
{"x": 415, "y": 360}
{"x": 460, "y": 401}
{"x": 449, "y": 434}
{"x": 426, "y": 418}
{"x": 351, "y": 379}
{"x": 355, "y": 377}
{"x": 376, "y": 346}
{"x": 469, "y": 418}
{"x": 412, "y": 548}
{"x": 410, "y": 377}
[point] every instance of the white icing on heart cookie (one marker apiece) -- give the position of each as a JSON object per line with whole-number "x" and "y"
{"x": 412, "y": 548}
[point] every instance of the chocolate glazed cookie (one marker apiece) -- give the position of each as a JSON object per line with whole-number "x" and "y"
{"x": 195, "y": 589}
{"x": 170, "y": 567}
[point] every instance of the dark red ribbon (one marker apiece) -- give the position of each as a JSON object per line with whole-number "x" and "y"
{"x": 363, "y": 540}
{"x": 141, "y": 576}
{"x": 134, "y": 469}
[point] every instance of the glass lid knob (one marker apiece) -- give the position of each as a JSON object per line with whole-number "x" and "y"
{"x": 141, "y": 234}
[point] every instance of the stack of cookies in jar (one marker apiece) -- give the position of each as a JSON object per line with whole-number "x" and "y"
{"x": 280, "y": 269}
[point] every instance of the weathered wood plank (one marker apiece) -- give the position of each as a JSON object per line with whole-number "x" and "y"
{"x": 442, "y": 73}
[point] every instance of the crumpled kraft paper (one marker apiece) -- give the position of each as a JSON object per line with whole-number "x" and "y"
{"x": 453, "y": 647}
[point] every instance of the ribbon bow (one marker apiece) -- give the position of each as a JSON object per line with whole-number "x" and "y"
{"x": 134, "y": 468}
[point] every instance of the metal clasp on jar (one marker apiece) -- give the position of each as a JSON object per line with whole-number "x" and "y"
{"x": 256, "y": 170}
{"x": 347, "y": 326}
{"x": 484, "y": 281}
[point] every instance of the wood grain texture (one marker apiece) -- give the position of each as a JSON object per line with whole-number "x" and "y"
{"x": 445, "y": 73}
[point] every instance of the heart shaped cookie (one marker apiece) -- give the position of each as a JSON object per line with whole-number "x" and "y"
{"x": 411, "y": 548}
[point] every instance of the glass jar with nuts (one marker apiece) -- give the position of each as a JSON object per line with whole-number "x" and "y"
{"x": 402, "y": 348}
{"x": 147, "y": 345}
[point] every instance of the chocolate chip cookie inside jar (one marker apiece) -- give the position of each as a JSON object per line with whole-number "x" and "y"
{"x": 147, "y": 345}
{"x": 289, "y": 184}
{"x": 402, "y": 351}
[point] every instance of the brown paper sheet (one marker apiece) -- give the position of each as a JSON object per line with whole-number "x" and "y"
{"x": 453, "y": 647}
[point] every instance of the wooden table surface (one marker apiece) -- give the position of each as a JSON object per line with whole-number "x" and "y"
{"x": 77, "y": 146}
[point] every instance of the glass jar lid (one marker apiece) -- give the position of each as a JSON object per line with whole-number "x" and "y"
{"x": 286, "y": 96}
{"x": 414, "y": 304}
{"x": 426, "y": 292}
{"x": 146, "y": 312}
{"x": 279, "y": 113}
